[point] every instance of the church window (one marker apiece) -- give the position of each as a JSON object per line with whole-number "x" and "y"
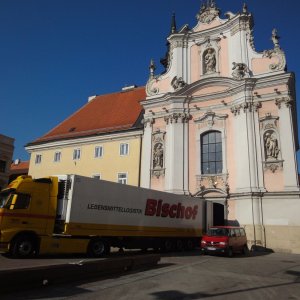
{"x": 211, "y": 153}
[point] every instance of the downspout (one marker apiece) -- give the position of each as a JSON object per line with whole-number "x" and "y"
{"x": 140, "y": 160}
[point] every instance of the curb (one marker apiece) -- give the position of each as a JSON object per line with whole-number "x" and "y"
{"x": 26, "y": 278}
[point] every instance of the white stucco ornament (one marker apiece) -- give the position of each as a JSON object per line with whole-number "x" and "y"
{"x": 276, "y": 52}
{"x": 208, "y": 12}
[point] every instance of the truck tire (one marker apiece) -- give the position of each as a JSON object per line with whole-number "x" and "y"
{"x": 179, "y": 245}
{"x": 98, "y": 247}
{"x": 167, "y": 245}
{"x": 189, "y": 245}
{"x": 23, "y": 246}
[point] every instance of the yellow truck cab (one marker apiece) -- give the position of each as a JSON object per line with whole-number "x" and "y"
{"x": 27, "y": 212}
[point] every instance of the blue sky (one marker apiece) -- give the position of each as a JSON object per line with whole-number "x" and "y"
{"x": 54, "y": 54}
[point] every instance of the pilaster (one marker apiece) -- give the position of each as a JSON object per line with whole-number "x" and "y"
{"x": 247, "y": 147}
{"x": 288, "y": 149}
{"x": 175, "y": 153}
{"x": 146, "y": 153}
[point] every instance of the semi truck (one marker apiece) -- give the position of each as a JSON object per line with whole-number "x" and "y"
{"x": 77, "y": 214}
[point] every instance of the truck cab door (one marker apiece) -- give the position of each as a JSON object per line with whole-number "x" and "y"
{"x": 17, "y": 216}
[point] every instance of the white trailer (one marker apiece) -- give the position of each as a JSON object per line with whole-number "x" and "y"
{"x": 128, "y": 216}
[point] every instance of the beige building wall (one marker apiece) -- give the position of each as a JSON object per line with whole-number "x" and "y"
{"x": 108, "y": 166}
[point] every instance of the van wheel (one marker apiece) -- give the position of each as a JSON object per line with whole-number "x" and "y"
{"x": 246, "y": 250}
{"x": 229, "y": 252}
{"x": 98, "y": 248}
{"x": 23, "y": 246}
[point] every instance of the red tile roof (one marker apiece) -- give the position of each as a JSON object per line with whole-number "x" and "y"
{"x": 20, "y": 168}
{"x": 104, "y": 114}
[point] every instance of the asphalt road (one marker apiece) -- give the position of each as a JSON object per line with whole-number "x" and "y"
{"x": 189, "y": 276}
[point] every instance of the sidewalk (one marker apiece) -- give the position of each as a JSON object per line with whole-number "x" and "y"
{"x": 36, "y": 276}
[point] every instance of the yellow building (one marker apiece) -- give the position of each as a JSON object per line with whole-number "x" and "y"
{"x": 102, "y": 139}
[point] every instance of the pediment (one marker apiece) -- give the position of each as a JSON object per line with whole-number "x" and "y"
{"x": 209, "y": 86}
{"x": 210, "y": 90}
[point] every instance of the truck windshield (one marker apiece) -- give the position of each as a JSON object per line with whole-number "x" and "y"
{"x": 4, "y": 196}
{"x": 218, "y": 232}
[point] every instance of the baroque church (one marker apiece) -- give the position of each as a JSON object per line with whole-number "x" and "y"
{"x": 218, "y": 124}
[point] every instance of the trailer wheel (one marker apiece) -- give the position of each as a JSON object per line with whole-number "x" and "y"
{"x": 167, "y": 245}
{"x": 189, "y": 245}
{"x": 23, "y": 246}
{"x": 179, "y": 245}
{"x": 98, "y": 248}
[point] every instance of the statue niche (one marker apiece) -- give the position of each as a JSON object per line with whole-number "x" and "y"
{"x": 158, "y": 156}
{"x": 271, "y": 145}
{"x": 209, "y": 61}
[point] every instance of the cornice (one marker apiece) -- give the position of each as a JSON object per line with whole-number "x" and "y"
{"x": 234, "y": 87}
{"x": 86, "y": 140}
{"x": 274, "y": 79}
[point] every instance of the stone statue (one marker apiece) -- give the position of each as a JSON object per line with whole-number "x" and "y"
{"x": 275, "y": 38}
{"x": 210, "y": 61}
{"x": 271, "y": 145}
{"x": 158, "y": 156}
{"x": 177, "y": 83}
{"x": 239, "y": 70}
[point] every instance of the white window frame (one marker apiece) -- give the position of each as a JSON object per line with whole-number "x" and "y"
{"x": 96, "y": 154}
{"x": 122, "y": 180}
{"x": 75, "y": 156}
{"x": 57, "y": 154}
{"x": 97, "y": 176}
{"x": 122, "y": 145}
{"x": 38, "y": 159}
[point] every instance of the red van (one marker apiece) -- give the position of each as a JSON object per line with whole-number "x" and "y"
{"x": 225, "y": 240}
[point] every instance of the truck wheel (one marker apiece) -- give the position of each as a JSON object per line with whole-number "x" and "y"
{"x": 179, "y": 245}
{"x": 97, "y": 248}
{"x": 189, "y": 245}
{"x": 23, "y": 246}
{"x": 167, "y": 245}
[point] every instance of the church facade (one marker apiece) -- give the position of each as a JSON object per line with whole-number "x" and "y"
{"x": 220, "y": 124}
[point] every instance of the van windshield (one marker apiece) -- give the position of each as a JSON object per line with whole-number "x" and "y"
{"x": 218, "y": 232}
{"x": 4, "y": 196}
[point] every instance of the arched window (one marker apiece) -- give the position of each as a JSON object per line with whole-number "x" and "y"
{"x": 211, "y": 153}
